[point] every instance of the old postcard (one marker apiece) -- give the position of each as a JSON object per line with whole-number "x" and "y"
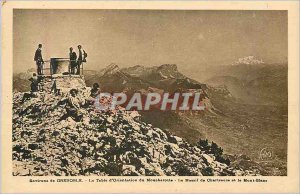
{"x": 150, "y": 97}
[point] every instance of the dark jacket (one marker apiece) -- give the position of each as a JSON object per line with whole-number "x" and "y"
{"x": 73, "y": 56}
{"x": 33, "y": 84}
{"x": 94, "y": 92}
{"x": 38, "y": 56}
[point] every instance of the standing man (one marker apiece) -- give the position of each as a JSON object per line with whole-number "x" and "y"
{"x": 39, "y": 59}
{"x": 73, "y": 58}
{"x": 81, "y": 58}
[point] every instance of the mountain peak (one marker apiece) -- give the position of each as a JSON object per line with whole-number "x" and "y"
{"x": 248, "y": 60}
{"x": 172, "y": 67}
{"x": 111, "y": 69}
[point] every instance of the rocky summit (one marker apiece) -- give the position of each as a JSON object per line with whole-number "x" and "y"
{"x": 104, "y": 143}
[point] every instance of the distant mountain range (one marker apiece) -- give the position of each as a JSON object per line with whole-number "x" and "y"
{"x": 253, "y": 83}
{"x": 165, "y": 77}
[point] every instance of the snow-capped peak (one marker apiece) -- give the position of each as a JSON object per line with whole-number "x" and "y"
{"x": 249, "y": 60}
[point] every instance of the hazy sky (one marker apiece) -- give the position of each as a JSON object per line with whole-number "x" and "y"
{"x": 190, "y": 39}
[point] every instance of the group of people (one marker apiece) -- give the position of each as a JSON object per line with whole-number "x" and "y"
{"x": 75, "y": 60}
{"x": 75, "y": 63}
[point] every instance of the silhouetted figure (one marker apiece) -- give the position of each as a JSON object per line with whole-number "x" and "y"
{"x": 95, "y": 90}
{"x": 39, "y": 59}
{"x": 33, "y": 88}
{"x": 34, "y": 83}
{"x": 82, "y": 55}
{"x": 73, "y": 58}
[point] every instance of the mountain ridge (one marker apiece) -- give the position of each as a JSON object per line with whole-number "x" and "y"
{"x": 104, "y": 143}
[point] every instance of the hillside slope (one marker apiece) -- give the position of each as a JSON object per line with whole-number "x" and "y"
{"x": 104, "y": 143}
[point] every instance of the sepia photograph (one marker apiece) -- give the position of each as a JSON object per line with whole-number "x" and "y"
{"x": 149, "y": 97}
{"x": 71, "y": 66}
